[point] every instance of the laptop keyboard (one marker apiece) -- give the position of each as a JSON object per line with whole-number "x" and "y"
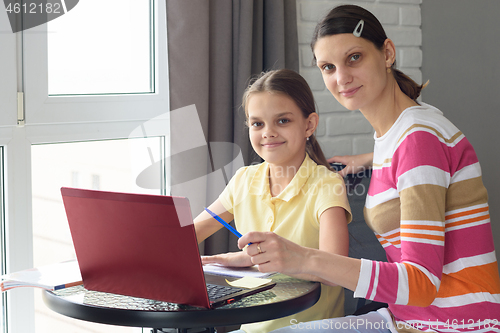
{"x": 216, "y": 291}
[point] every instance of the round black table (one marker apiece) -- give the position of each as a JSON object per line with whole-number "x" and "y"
{"x": 289, "y": 296}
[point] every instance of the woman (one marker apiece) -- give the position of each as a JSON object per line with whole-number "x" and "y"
{"x": 426, "y": 204}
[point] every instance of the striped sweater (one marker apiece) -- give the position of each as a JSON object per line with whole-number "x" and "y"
{"x": 429, "y": 209}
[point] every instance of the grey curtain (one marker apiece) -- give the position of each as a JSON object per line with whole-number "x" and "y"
{"x": 214, "y": 47}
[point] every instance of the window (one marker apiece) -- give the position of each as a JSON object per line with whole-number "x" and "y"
{"x": 63, "y": 116}
{"x": 102, "y": 55}
{"x": 117, "y": 163}
{"x": 64, "y": 85}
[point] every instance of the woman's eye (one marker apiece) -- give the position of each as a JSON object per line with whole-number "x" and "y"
{"x": 328, "y": 67}
{"x": 355, "y": 57}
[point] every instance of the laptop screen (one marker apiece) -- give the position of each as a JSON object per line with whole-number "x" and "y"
{"x": 137, "y": 245}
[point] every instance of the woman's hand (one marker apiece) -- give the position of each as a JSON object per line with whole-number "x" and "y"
{"x": 231, "y": 259}
{"x": 353, "y": 163}
{"x": 273, "y": 253}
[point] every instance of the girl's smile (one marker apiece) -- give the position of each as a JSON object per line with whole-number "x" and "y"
{"x": 270, "y": 145}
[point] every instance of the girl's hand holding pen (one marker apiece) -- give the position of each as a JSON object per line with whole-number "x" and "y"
{"x": 231, "y": 259}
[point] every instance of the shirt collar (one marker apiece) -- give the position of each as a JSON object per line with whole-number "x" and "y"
{"x": 260, "y": 182}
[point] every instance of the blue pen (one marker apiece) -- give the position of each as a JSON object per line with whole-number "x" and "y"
{"x": 234, "y": 231}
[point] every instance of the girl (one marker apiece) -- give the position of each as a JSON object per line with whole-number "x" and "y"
{"x": 293, "y": 193}
{"x": 426, "y": 203}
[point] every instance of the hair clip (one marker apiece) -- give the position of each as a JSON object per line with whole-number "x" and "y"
{"x": 359, "y": 28}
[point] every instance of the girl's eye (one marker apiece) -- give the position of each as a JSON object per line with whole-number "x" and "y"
{"x": 327, "y": 67}
{"x": 256, "y": 124}
{"x": 283, "y": 121}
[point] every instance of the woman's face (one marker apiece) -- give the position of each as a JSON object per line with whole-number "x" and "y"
{"x": 353, "y": 69}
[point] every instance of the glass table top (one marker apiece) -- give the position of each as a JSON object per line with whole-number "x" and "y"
{"x": 286, "y": 288}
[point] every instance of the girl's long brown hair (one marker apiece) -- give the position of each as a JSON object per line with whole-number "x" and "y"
{"x": 292, "y": 84}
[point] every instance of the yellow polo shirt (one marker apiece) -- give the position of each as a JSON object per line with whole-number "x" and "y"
{"x": 293, "y": 214}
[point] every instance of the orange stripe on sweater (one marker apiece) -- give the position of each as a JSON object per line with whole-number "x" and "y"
{"x": 472, "y": 220}
{"x": 421, "y": 290}
{"x": 467, "y": 212}
{"x": 423, "y": 227}
{"x": 384, "y": 241}
{"x": 393, "y": 235}
{"x": 475, "y": 279}
{"x": 423, "y": 236}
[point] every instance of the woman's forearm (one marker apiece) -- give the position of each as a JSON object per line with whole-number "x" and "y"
{"x": 333, "y": 269}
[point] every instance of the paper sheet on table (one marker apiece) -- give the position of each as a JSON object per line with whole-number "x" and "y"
{"x": 248, "y": 282}
{"x": 234, "y": 271}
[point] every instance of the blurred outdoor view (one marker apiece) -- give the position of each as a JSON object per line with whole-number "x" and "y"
{"x": 111, "y": 165}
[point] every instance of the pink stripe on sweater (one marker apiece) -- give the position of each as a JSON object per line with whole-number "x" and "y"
{"x": 420, "y": 148}
{"x": 381, "y": 181}
{"x": 427, "y": 255}
{"x": 423, "y": 148}
{"x": 468, "y": 242}
{"x": 387, "y": 290}
{"x": 393, "y": 254}
{"x": 469, "y": 155}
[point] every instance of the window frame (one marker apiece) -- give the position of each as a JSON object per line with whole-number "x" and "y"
{"x": 41, "y": 108}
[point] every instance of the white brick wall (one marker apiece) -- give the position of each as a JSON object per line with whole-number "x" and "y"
{"x": 342, "y": 131}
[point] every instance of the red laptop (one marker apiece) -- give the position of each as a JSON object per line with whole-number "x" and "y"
{"x": 143, "y": 246}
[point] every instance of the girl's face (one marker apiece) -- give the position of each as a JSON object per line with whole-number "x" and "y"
{"x": 353, "y": 69}
{"x": 278, "y": 129}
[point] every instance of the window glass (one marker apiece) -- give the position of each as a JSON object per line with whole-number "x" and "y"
{"x": 112, "y": 165}
{"x": 102, "y": 47}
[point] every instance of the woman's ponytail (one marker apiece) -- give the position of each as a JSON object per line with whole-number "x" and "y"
{"x": 407, "y": 85}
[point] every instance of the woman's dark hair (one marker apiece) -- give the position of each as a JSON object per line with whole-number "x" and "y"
{"x": 344, "y": 19}
{"x": 293, "y": 85}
